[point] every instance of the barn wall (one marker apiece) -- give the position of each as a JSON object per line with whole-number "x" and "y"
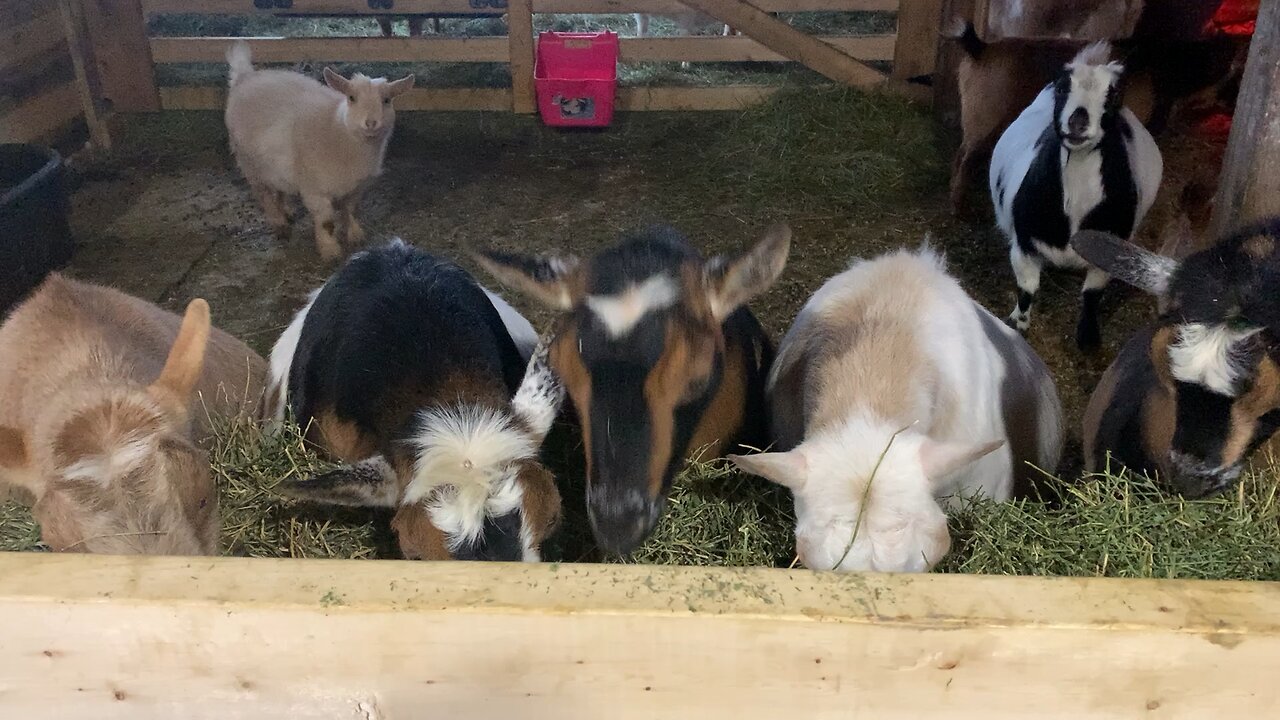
{"x": 38, "y": 92}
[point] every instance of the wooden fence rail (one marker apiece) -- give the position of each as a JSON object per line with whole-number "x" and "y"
{"x": 130, "y": 55}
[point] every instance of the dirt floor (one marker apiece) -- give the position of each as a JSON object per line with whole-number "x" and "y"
{"x": 167, "y": 217}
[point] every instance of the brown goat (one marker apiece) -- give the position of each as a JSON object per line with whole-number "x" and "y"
{"x": 97, "y": 403}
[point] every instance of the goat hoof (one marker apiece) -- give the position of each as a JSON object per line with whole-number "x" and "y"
{"x": 281, "y": 232}
{"x": 1019, "y": 321}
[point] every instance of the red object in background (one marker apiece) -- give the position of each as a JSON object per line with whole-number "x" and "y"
{"x": 1236, "y": 17}
{"x": 576, "y": 75}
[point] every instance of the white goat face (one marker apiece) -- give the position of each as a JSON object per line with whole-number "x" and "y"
{"x": 368, "y": 110}
{"x": 1085, "y": 95}
{"x": 857, "y": 511}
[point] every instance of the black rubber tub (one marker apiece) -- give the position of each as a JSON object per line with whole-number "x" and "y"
{"x": 35, "y": 236}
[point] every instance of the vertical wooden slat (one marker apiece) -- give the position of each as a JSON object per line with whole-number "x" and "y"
{"x": 1249, "y": 188}
{"x": 88, "y": 81}
{"x": 118, "y": 33}
{"x": 520, "y": 33}
{"x": 916, "y": 51}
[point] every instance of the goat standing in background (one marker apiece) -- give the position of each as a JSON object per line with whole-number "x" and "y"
{"x": 893, "y": 389}
{"x": 1074, "y": 160}
{"x": 99, "y": 417}
{"x": 405, "y": 369}
{"x": 292, "y": 135}
{"x": 662, "y": 358}
{"x": 1191, "y": 396}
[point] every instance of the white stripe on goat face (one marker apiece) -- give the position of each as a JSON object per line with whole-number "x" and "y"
{"x": 1208, "y": 355}
{"x": 1090, "y": 86}
{"x": 622, "y": 312}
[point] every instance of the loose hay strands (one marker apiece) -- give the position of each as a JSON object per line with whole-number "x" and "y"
{"x": 718, "y": 516}
{"x": 1105, "y": 524}
{"x": 1120, "y": 525}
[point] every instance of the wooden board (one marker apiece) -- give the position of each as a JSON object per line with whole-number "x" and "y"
{"x": 109, "y": 638}
{"x": 118, "y": 33}
{"x": 41, "y": 116}
{"x": 463, "y": 7}
{"x": 692, "y": 98}
{"x": 520, "y": 35}
{"x": 88, "y": 82}
{"x": 1249, "y": 188}
{"x": 916, "y": 51}
{"x": 41, "y": 35}
{"x": 789, "y": 42}
{"x": 489, "y": 49}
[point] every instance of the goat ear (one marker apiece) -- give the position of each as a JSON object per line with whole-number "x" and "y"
{"x": 368, "y": 483}
{"x": 1131, "y": 264}
{"x": 554, "y": 281}
{"x": 732, "y": 282}
{"x": 538, "y": 399}
{"x": 788, "y": 469}
{"x": 940, "y": 459}
{"x": 336, "y": 81}
{"x": 186, "y": 359}
{"x": 397, "y": 88}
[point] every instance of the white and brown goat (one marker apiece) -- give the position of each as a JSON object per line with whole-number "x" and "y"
{"x": 1192, "y": 395}
{"x": 325, "y": 142}
{"x": 405, "y": 369}
{"x": 661, "y": 358}
{"x": 99, "y": 417}
{"x": 894, "y": 389}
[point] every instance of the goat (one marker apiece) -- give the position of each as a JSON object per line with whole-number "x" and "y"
{"x": 1192, "y": 395}
{"x": 98, "y": 425}
{"x": 892, "y": 389}
{"x": 402, "y": 367}
{"x": 998, "y": 80}
{"x": 1074, "y": 159}
{"x": 292, "y": 135}
{"x": 661, "y": 358}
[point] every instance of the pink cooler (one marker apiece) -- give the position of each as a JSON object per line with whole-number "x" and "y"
{"x": 576, "y": 75}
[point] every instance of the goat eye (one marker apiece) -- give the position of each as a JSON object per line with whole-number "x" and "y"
{"x": 386, "y": 101}
{"x": 352, "y": 98}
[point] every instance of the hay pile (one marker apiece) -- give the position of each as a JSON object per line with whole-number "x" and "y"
{"x": 1104, "y": 525}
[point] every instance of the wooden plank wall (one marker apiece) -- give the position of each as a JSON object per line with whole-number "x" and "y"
{"x": 38, "y": 93}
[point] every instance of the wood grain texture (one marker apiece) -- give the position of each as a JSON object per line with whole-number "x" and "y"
{"x": 1249, "y": 187}
{"x": 139, "y": 638}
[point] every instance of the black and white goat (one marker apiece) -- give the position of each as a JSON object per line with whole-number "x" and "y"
{"x": 1192, "y": 395}
{"x": 1075, "y": 159}
{"x": 403, "y": 367}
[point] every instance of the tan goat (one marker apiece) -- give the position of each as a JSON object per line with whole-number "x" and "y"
{"x": 102, "y": 399}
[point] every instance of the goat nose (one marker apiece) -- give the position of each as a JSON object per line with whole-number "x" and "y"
{"x": 371, "y": 124}
{"x": 1078, "y": 123}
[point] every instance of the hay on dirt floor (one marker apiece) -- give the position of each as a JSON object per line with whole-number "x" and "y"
{"x": 1102, "y": 525}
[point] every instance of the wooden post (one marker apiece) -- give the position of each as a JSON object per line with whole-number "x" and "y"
{"x": 789, "y": 42}
{"x": 118, "y": 33}
{"x": 916, "y": 52}
{"x": 88, "y": 82}
{"x": 520, "y": 34}
{"x": 1249, "y": 188}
